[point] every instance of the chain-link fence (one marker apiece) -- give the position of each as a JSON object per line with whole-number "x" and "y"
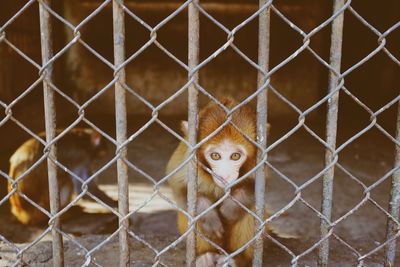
{"x": 260, "y": 12}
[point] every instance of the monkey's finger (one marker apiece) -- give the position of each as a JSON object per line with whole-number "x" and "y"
{"x": 208, "y": 259}
{"x": 220, "y": 232}
{"x": 222, "y": 259}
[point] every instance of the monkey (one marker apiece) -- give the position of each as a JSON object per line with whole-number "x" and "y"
{"x": 77, "y": 150}
{"x": 221, "y": 160}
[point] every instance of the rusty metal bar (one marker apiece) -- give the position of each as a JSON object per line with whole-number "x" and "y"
{"x": 394, "y": 204}
{"x": 50, "y": 124}
{"x": 331, "y": 130}
{"x": 193, "y": 111}
{"x": 263, "y": 62}
{"x": 121, "y": 129}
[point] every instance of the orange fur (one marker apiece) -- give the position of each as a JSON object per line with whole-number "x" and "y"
{"x": 35, "y": 184}
{"x": 211, "y": 117}
{"x": 35, "y": 187}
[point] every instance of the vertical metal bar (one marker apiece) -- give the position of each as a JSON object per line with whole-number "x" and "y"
{"x": 394, "y": 204}
{"x": 331, "y": 130}
{"x": 193, "y": 110}
{"x": 121, "y": 128}
{"x": 50, "y": 121}
{"x": 263, "y": 62}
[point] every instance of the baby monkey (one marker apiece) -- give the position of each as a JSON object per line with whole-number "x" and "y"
{"x": 77, "y": 150}
{"x": 229, "y": 155}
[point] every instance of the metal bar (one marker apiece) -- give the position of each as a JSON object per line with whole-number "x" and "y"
{"x": 50, "y": 124}
{"x": 121, "y": 129}
{"x": 193, "y": 111}
{"x": 394, "y": 204}
{"x": 331, "y": 130}
{"x": 263, "y": 62}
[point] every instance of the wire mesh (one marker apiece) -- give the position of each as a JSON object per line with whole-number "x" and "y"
{"x": 122, "y": 13}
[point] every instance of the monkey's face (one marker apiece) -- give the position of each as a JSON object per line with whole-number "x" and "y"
{"x": 225, "y": 159}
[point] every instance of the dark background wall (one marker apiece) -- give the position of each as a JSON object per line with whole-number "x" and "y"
{"x": 155, "y": 76}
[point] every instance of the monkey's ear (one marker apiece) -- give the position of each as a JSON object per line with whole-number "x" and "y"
{"x": 95, "y": 138}
{"x": 185, "y": 128}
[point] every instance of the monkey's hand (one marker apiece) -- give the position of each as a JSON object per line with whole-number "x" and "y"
{"x": 210, "y": 222}
{"x": 231, "y": 210}
{"x": 211, "y": 225}
{"x": 222, "y": 259}
{"x": 212, "y": 259}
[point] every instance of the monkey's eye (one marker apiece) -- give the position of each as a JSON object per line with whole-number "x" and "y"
{"x": 215, "y": 156}
{"x": 235, "y": 156}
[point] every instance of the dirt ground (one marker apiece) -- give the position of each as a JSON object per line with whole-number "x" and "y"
{"x": 300, "y": 157}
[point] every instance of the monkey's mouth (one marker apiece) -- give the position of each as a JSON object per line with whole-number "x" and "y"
{"x": 222, "y": 181}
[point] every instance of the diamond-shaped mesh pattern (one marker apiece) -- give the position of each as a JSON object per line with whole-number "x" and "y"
{"x": 123, "y": 138}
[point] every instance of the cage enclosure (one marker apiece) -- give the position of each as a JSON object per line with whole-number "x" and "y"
{"x": 332, "y": 102}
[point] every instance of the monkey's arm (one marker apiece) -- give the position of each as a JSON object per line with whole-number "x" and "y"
{"x": 210, "y": 222}
{"x": 83, "y": 173}
{"x": 178, "y": 181}
{"x": 231, "y": 210}
{"x": 95, "y": 190}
